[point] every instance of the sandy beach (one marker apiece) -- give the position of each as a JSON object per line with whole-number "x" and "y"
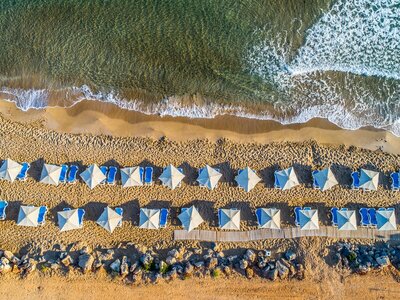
{"x": 84, "y": 135}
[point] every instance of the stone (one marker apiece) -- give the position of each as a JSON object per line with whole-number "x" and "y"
{"x": 199, "y": 264}
{"x": 187, "y": 255}
{"x": 97, "y": 264}
{"x": 86, "y": 250}
{"x": 243, "y": 264}
{"x": 5, "y": 266}
{"x": 250, "y": 255}
{"x": 67, "y": 260}
{"x": 220, "y": 254}
{"x": 383, "y": 261}
{"x": 174, "y": 253}
{"x": 116, "y": 266}
{"x": 249, "y": 273}
{"x": 137, "y": 271}
{"x": 8, "y": 254}
{"x": 85, "y": 262}
{"x": 232, "y": 258}
{"x": 212, "y": 262}
{"x": 188, "y": 270}
{"x": 262, "y": 263}
{"x": 271, "y": 274}
{"x": 290, "y": 255}
{"x": 124, "y": 266}
{"x": 227, "y": 270}
{"x": 146, "y": 259}
{"x": 170, "y": 260}
{"x": 283, "y": 271}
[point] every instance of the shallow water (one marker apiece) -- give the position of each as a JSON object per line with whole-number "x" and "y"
{"x": 286, "y": 60}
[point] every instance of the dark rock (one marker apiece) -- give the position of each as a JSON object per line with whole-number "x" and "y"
{"x": 383, "y": 261}
{"x": 250, "y": 255}
{"x": 283, "y": 271}
{"x": 116, "y": 266}
{"x": 249, "y": 273}
{"x": 272, "y": 274}
{"x": 290, "y": 255}
{"x": 212, "y": 263}
{"x": 85, "y": 262}
{"x": 243, "y": 264}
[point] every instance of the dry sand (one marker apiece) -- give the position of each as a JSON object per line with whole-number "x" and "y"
{"x": 61, "y": 136}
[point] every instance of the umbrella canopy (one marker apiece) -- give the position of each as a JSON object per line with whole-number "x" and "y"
{"x": 269, "y": 218}
{"x": 149, "y": 218}
{"x": 171, "y": 177}
{"x": 10, "y": 169}
{"x": 287, "y": 178}
{"x": 369, "y": 180}
{"x": 308, "y": 219}
{"x": 28, "y": 216}
{"x": 131, "y": 177}
{"x": 386, "y": 220}
{"x": 92, "y": 176}
{"x": 209, "y": 177}
{"x": 346, "y": 220}
{"x": 247, "y": 179}
{"x": 325, "y": 179}
{"x": 229, "y": 219}
{"x": 68, "y": 220}
{"x": 190, "y": 218}
{"x": 109, "y": 219}
{"x": 50, "y": 174}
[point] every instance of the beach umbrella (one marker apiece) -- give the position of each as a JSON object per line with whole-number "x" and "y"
{"x": 93, "y": 176}
{"x": 68, "y": 219}
{"x": 386, "y": 220}
{"x": 149, "y": 218}
{"x": 171, "y": 177}
{"x": 247, "y": 179}
{"x": 109, "y": 219}
{"x": 325, "y": 179}
{"x": 269, "y": 218}
{"x": 229, "y": 219}
{"x": 209, "y": 177}
{"x": 28, "y": 216}
{"x": 308, "y": 219}
{"x": 346, "y": 220}
{"x": 10, "y": 169}
{"x": 190, "y": 218}
{"x": 369, "y": 180}
{"x": 286, "y": 178}
{"x": 50, "y": 174}
{"x": 131, "y": 176}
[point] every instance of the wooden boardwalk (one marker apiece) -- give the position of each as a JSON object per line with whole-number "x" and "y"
{"x": 287, "y": 233}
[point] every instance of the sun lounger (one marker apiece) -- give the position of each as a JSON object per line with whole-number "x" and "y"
{"x": 364, "y": 217}
{"x": 112, "y": 173}
{"x": 356, "y": 180}
{"x": 141, "y": 171}
{"x": 42, "y": 215}
{"x": 163, "y": 217}
{"x": 120, "y": 211}
{"x": 63, "y": 174}
{"x": 148, "y": 175}
{"x": 315, "y": 183}
{"x": 3, "y": 206}
{"x": 395, "y": 181}
{"x": 276, "y": 182}
{"x": 334, "y": 211}
{"x": 258, "y": 215}
{"x": 104, "y": 170}
{"x": 390, "y": 208}
{"x": 24, "y": 171}
{"x": 297, "y": 215}
{"x": 372, "y": 217}
{"x": 73, "y": 171}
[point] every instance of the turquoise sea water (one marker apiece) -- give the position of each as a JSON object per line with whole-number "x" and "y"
{"x": 287, "y": 60}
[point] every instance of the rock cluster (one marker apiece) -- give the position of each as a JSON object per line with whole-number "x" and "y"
{"x": 142, "y": 264}
{"x": 364, "y": 258}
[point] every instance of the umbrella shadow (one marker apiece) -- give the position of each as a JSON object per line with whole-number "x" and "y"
{"x": 131, "y": 211}
{"x": 267, "y": 175}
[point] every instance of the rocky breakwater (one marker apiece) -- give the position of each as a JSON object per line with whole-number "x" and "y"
{"x": 138, "y": 264}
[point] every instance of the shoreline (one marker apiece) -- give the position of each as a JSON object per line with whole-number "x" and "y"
{"x": 108, "y": 119}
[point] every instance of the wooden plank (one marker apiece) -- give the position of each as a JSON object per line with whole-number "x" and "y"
{"x": 287, "y": 233}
